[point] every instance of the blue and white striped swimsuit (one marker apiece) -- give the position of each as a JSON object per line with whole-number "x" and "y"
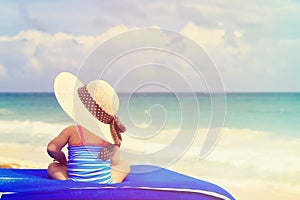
{"x": 84, "y": 164}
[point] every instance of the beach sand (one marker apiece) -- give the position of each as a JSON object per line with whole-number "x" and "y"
{"x": 26, "y": 156}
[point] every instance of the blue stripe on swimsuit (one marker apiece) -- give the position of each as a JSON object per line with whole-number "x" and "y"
{"x": 84, "y": 165}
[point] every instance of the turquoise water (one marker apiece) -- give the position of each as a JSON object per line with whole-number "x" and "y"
{"x": 30, "y": 106}
{"x": 275, "y": 112}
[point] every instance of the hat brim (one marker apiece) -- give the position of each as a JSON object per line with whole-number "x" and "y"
{"x": 65, "y": 90}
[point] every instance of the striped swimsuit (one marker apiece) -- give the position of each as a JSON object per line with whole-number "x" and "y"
{"x": 84, "y": 165}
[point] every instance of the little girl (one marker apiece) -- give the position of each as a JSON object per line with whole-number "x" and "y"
{"x": 90, "y": 157}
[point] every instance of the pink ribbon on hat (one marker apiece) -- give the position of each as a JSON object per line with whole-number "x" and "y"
{"x": 116, "y": 126}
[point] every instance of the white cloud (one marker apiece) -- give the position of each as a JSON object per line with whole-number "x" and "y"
{"x": 33, "y": 55}
{"x": 40, "y": 52}
{"x": 37, "y": 55}
{"x": 3, "y": 72}
{"x": 208, "y": 38}
{"x": 246, "y": 40}
{"x": 242, "y": 61}
{"x": 238, "y": 34}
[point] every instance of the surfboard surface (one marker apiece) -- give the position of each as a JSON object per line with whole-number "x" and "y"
{"x": 156, "y": 183}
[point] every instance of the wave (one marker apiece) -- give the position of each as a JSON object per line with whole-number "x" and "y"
{"x": 29, "y": 132}
{"x": 235, "y": 146}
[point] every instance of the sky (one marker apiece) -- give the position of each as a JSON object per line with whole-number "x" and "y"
{"x": 254, "y": 45}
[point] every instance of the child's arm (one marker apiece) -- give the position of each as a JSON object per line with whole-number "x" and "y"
{"x": 116, "y": 156}
{"x": 55, "y": 146}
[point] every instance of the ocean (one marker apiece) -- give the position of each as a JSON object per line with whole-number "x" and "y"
{"x": 257, "y": 149}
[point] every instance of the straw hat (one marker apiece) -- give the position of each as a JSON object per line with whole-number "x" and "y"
{"x": 92, "y": 105}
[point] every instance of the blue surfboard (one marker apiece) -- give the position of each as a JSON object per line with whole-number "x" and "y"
{"x": 154, "y": 183}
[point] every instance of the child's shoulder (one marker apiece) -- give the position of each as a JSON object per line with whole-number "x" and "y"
{"x": 70, "y": 129}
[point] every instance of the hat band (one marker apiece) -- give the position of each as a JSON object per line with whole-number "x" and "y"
{"x": 116, "y": 127}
